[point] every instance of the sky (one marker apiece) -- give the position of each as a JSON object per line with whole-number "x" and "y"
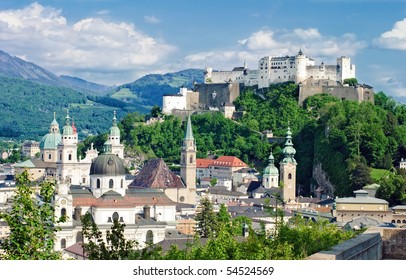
{"x": 112, "y": 42}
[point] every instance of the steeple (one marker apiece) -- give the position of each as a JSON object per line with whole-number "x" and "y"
{"x": 67, "y": 128}
{"x": 271, "y": 174}
{"x": 188, "y": 162}
{"x": 113, "y": 140}
{"x": 189, "y": 131}
{"x": 288, "y": 169}
{"x": 289, "y": 151}
{"x": 54, "y": 127}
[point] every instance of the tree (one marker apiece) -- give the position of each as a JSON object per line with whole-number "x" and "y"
{"x": 32, "y": 222}
{"x": 116, "y": 247}
{"x": 360, "y": 176}
{"x": 206, "y": 220}
{"x": 351, "y": 81}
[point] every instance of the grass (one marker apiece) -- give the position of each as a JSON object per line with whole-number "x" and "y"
{"x": 377, "y": 174}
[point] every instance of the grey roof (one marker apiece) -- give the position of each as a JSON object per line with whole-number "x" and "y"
{"x": 361, "y": 200}
{"x": 107, "y": 164}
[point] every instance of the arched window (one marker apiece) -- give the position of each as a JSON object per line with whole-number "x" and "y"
{"x": 70, "y": 157}
{"x": 191, "y": 159}
{"x": 398, "y": 221}
{"x": 98, "y": 183}
{"x": 63, "y": 212}
{"x": 49, "y": 156}
{"x": 393, "y": 221}
{"x": 404, "y": 222}
{"x": 150, "y": 237}
{"x": 63, "y": 243}
{"x": 290, "y": 176}
{"x": 111, "y": 183}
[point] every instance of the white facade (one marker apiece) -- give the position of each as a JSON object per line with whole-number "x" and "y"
{"x": 175, "y": 101}
{"x": 274, "y": 69}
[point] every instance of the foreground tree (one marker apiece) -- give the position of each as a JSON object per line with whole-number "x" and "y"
{"x": 32, "y": 222}
{"x": 206, "y": 219}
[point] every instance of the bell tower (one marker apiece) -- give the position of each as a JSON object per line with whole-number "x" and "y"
{"x": 188, "y": 158}
{"x": 288, "y": 170}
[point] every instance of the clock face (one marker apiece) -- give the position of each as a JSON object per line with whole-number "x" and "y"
{"x": 63, "y": 201}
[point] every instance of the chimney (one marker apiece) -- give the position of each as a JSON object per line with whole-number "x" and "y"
{"x": 147, "y": 212}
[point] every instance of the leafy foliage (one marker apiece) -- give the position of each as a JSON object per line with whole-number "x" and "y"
{"x": 32, "y": 222}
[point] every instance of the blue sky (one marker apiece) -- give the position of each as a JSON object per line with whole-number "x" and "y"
{"x": 114, "y": 42}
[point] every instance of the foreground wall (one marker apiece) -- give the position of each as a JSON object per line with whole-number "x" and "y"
{"x": 373, "y": 244}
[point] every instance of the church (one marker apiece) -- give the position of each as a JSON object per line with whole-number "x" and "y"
{"x": 97, "y": 185}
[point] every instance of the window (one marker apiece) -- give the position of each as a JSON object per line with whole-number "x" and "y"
{"x": 150, "y": 237}
{"x": 70, "y": 157}
{"x": 83, "y": 180}
{"x": 63, "y": 212}
{"x": 63, "y": 243}
{"x": 191, "y": 159}
{"x": 290, "y": 176}
{"x": 111, "y": 183}
{"x": 122, "y": 183}
{"x": 98, "y": 183}
{"x": 49, "y": 156}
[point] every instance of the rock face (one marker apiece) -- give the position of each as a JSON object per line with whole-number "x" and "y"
{"x": 322, "y": 181}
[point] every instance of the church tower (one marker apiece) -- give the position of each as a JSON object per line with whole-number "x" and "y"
{"x": 114, "y": 138}
{"x": 188, "y": 160}
{"x": 270, "y": 178}
{"x": 67, "y": 153}
{"x": 288, "y": 170}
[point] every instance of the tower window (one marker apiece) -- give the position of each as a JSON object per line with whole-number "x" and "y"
{"x": 115, "y": 216}
{"x": 290, "y": 176}
{"x": 98, "y": 183}
{"x": 49, "y": 156}
{"x": 111, "y": 183}
{"x": 70, "y": 157}
{"x": 63, "y": 212}
{"x": 191, "y": 159}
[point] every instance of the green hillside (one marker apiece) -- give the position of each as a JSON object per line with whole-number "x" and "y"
{"x": 26, "y": 109}
{"x": 148, "y": 90}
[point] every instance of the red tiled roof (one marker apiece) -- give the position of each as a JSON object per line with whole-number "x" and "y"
{"x": 230, "y": 161}
{"x": 203, "y": 162}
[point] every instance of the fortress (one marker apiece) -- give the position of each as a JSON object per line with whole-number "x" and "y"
{"x": 221, "y": 88}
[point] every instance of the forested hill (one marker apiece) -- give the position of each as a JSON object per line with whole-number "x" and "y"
{"x": 26, "y": 109}
{"x": 349, "y": 139}
{"x": 148, "y": 90}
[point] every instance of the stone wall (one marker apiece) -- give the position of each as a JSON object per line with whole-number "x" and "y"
{"x": 374, "y": 244}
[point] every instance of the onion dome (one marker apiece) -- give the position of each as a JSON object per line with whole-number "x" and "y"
{"x": 288, "y": 151}
{"x": 271, "y": 169}
{"x": 51, "y": 140}
{"x": 67, "y": 128}
{"x": 114, "y": 130}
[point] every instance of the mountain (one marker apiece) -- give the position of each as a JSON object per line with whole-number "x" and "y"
{"x": 86, "y": 86}
{"x": 148, "y": 90}
{"x": 14, "y": 67}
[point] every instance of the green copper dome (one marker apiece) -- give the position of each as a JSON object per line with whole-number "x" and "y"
{"x": 114, "y": 130}
{"x": 67, "y": 128}
{"x": 50, "y": 141}
{"x": 271, "y": 169}
{"x": 288, "y": 151}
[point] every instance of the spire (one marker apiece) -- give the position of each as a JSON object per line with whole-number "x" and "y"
{"x": 189, "y": 132}
{"x": 73, "y": 126}
{"x": 114, "y": 119}
{"x": 67, "y": 129}
{"x": 271, "y": 159}
{"x": 289, "y": 151}
{"x": 54, "y": 127}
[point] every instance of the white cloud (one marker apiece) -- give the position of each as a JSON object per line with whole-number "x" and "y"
{"x": 151, "y": 19}
{"x": 395, "y": 38}
{"x": 268, "y": 42}
{"x": 91, "y": 45}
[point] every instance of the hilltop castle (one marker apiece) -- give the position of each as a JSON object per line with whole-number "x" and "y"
{"x": 273, "y": 70}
